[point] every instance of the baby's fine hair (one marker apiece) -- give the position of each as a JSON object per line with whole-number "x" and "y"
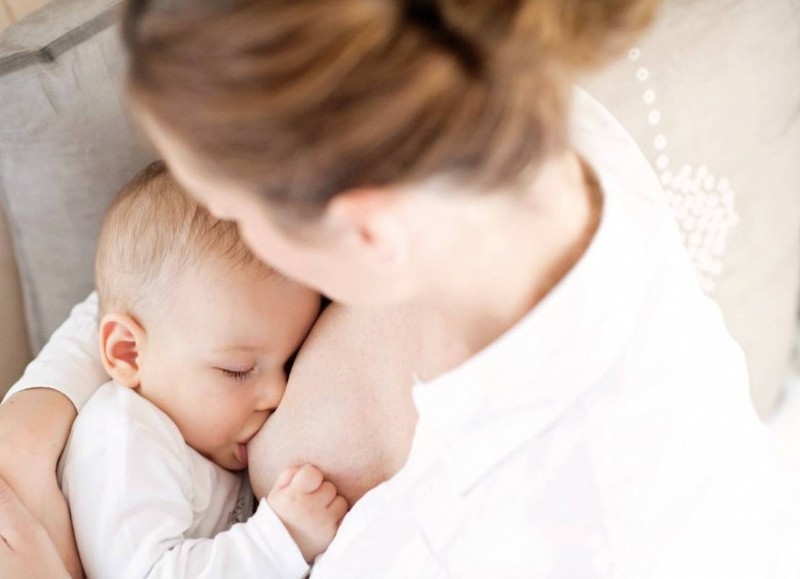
{"x": 152, "y": 232}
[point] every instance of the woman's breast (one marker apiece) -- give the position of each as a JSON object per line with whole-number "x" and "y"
{"x": 347, "y": 408}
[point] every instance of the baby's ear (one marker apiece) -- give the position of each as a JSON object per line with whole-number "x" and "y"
{"x": 121, "y": 339}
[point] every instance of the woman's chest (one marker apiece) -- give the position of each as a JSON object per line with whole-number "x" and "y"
{"x": 354, "y": 445}
{"x": 347, "y": 410}
{"x": 354, "y": 428}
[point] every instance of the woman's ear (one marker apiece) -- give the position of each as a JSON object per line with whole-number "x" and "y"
{"x": 121, "y": 340}
{"x": 373, "y": 216}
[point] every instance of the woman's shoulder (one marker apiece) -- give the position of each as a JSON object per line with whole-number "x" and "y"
{"x": 636, "y": 216}
{"x": 608, "y": 147}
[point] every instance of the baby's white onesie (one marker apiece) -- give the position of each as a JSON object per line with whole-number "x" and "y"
{"x": 145, "y": 504}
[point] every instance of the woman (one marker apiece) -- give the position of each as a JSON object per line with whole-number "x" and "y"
{"x": 520, "y": 375}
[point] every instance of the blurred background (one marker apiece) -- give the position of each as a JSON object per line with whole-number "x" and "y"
{"x": 14, "y": 350}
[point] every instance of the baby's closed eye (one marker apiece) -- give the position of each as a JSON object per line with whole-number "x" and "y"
{"x": 238, "y": 375}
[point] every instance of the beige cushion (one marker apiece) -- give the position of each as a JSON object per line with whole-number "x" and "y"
{"x": 13, "y": 10}
{"x": 14, "y": 352}
{"x": 66, "y": 147}
{"x": 712, "y": 95}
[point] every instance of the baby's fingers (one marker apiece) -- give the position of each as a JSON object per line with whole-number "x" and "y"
{"x": 338, "y": 508}
{"x": 307, "y": 480}
{"x": 286, "y": 477}
{"x": 325, "y": 494}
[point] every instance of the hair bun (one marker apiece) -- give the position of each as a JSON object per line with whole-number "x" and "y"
{"x": 587, "y": 33}
{"x": 581, "y": 34}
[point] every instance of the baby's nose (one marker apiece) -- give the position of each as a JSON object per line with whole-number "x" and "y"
{"x": 271, "y": 393}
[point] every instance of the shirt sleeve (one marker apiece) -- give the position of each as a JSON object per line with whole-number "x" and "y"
{"x": 130, "y": 496}
{"x": 259, "y": 547}
{"x": 70, "y": 362}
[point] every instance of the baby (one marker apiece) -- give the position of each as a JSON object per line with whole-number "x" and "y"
{"x": 197, "y": 335}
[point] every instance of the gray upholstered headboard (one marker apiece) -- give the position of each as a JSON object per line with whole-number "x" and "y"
{"x": 712, "y": 95}
{"x": 66, "y": 146}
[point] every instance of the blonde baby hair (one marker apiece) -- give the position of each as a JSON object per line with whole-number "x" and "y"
{"x": 152, "y": 232}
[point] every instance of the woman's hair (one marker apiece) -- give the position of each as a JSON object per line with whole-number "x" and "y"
{"x": 299, "y": 100}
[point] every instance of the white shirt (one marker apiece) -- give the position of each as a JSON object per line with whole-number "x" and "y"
{"x": 608, "y": 434}
{"x": 145, "y": 504}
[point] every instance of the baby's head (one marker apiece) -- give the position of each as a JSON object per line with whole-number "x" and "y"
{"x": 191, "y": 320}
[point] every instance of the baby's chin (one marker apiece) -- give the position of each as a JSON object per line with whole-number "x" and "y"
{"x": 224, "y": 458}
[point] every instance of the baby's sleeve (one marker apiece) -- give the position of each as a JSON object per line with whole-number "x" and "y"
{"x": 70, "y": 362}
{"x": 259, "y": 547}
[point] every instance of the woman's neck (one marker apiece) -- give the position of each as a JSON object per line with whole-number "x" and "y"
{"x": 505, "y": 254}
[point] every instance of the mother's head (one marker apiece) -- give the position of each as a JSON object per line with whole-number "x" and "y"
{"x": 322, "y": 126}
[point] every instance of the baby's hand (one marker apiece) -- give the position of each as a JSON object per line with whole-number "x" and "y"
{"x": 309, "y": 506}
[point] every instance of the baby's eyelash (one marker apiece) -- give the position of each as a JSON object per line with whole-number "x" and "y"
{"x": 237, "y": 375}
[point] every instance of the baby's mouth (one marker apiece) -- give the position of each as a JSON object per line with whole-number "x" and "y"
{"x": 241, "y": 453}
{"x": 241, "y": 448}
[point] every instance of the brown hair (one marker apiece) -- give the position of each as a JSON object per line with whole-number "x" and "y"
{"x": 151, "y": 233}
{"x": 302, "y": 99}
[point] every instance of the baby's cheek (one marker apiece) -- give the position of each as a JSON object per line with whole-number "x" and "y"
{"x": 208, "y": 434}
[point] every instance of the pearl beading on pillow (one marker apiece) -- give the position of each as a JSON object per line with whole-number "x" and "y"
{"x": 703, "y": 204}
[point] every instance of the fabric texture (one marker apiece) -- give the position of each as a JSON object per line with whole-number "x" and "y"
{"x": 144, "y": 504}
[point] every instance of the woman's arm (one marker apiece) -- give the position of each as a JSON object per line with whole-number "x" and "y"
{"x": 34, "y": 426}
{"x": 35, "y": 421}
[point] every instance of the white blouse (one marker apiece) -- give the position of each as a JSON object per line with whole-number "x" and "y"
{"x": 608, "y": 434}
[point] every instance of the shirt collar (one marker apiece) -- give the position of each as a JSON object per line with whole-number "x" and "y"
{"x": 523, "y": 382}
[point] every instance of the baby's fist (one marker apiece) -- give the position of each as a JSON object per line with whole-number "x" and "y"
{"x": 309, "y": 506}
